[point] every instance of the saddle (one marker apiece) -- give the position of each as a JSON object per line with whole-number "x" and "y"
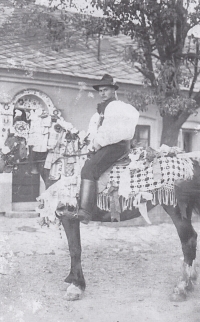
{"x": 124, "y": 161}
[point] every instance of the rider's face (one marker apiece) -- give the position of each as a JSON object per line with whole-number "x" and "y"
{"x": 106, "y": 92}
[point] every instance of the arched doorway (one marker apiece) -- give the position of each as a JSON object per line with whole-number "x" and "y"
{"x": 25, "y": 185}
{"x": 33, "y": 99}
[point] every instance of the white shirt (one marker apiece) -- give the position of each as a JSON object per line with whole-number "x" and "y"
{"x": 120, "y": 120}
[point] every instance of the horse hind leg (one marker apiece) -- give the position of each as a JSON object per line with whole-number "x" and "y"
{"x": 185, "y": 283}
{"x": 189, "y": 273}
{"x": 188, "y": 238}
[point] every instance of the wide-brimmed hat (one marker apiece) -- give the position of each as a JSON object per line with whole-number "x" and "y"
{"x": 107, "y": 80}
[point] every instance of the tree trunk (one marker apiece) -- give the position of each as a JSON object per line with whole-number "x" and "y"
{"x": 171, "y": 128}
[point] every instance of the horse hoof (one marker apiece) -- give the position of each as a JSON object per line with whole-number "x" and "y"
{"x": 190, "y": 286}
{"x": 73, "y": 293}
{"x": 67, "y": 285}
{"x": 194, "y": 275}
{"x": 178, "y": 297}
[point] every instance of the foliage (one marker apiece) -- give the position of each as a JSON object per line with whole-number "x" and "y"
{"x": 159, "y": 28}
{"x": 162, "y": 51}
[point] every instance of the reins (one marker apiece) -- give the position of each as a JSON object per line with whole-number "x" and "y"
{"x": 65, "y": 156}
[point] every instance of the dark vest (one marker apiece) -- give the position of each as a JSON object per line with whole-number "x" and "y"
{"x": 101, "y": 108}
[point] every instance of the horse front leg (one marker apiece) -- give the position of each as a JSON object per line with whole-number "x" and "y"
{"x": 188, "y": 238}
{"x": 75, "y": 277}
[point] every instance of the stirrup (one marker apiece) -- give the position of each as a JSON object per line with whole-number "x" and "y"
{"x": 84, "y": 217}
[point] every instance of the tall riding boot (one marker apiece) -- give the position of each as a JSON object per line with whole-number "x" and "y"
{"x": 87, "y": 200}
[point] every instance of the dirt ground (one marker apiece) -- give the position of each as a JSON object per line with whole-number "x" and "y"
{"x": 130, "y": 273}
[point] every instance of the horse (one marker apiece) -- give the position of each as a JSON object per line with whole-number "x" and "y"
{"x": 178, "y": 197}
{"x": 179, "y": 200}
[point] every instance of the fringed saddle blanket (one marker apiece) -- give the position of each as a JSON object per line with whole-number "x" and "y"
{"x": 140, "y": 179}
{"x": 156, "y": 177}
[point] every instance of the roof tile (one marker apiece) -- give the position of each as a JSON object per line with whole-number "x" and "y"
{"x": 30, "y": 52}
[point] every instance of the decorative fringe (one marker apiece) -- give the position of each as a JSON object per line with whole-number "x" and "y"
{"x": 103, "y": 201}
{"x": 161, "y": 196}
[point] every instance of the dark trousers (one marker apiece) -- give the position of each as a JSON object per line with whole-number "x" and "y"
{"x": 104, "y": 158}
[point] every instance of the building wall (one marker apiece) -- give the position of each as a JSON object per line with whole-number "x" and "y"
{"x": 192, "y": 128}
{"x": 74, "y": 96}
{"x": 77, "y": 100}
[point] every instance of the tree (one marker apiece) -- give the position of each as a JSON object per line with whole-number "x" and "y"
{"x": 160, "y": 29}
{"x": 162, "y": 51}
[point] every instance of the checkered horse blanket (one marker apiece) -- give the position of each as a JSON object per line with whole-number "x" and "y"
{"x": 156, "y": 177}
{"x": 123, "y": 185}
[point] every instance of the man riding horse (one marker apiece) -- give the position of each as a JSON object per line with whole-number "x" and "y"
{"x": 110, "y": 130}
{"x": 172, "y": 180}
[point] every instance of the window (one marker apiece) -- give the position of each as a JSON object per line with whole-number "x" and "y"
{"x": 187, "y": 141}
{"x": 142, "y": 135}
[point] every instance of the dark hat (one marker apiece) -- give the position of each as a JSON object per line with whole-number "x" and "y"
{"x": 106, "y": 80}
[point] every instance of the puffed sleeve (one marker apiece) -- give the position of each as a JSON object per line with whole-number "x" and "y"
{"x": 120, "y": 120}
{"x": 93, "y": 126}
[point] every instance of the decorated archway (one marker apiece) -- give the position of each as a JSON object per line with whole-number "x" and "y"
{"x": 32, "y": 99}
{"x": 27, "y": 99}
{"x": 37, "y": 110}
